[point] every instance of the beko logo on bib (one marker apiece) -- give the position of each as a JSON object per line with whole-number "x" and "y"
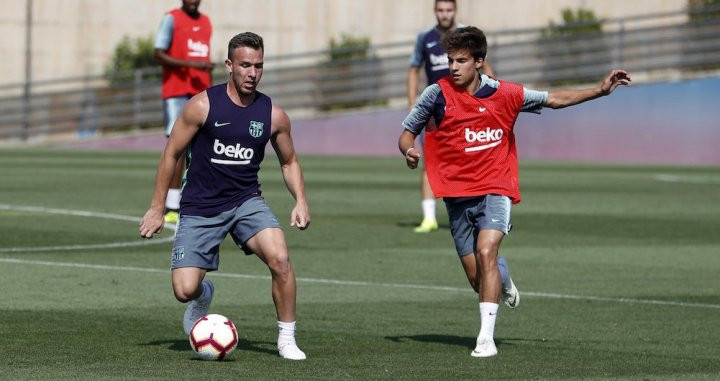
{"x": 197, "y": 48}
{"x": 234, "y": 152}
{"x": 492, "y": 137}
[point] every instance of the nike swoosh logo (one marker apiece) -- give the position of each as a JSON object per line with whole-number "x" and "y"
{"x": 196, "y": 28}
{"x": 482, "y": 109}
{"x": 431, "y": 44}
{"x": 494, "y": 220}
{"x": 221, "y": 124}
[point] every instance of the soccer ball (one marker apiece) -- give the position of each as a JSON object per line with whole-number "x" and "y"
{"x": 213, "y": 337}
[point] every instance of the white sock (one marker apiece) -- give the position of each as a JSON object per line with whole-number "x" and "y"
{"x": 488, "y": 314}
{"x": 173, "y": 199}
{"x": 286, "y": 332}
{"x": 428, "y": 207}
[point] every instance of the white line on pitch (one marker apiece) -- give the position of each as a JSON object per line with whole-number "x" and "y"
{"x": 81, "y": 213}
{"x": 686, "y": 179}
{"x": 363, "y": 283}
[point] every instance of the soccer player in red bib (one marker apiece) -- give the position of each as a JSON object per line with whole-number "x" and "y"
{"x": 471, "y": 160}
{"x": 182, "y": 46}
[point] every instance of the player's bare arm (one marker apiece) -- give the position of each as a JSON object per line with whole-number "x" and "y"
{"x": 406, "y": 144}
{"x": 564, "y": 98}
{"x": 281, "y": 140}
{"x": 163, "y": 58}
{"x": 412, "y": 85}
{"x": 185, "y": 128}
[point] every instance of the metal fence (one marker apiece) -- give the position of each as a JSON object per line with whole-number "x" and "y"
{"x": 313, "y": 82}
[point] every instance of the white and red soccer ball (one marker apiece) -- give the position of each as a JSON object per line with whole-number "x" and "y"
{"x": 213, "y": 337}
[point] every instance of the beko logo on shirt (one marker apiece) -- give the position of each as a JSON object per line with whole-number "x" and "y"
{"x": 438, "y": 62}
{"x": 234, "y": 152}
{"x": 489, "y": 136}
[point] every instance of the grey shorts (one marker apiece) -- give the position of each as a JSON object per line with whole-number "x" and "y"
{"x": 470, "y": 215}
{"x": 198, "y": 239}
{"x": 172, "y": 107}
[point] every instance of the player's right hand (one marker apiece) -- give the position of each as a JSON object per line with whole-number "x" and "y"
{"x": 412, "y": 158}
{"x": 151, "y": 223}
{"x": 203, "y": 65}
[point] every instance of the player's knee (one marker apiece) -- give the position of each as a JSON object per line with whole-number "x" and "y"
{"x": 488, "y": 252}
{"x": 279, "y": 264}
{"x": 185, "y": 293}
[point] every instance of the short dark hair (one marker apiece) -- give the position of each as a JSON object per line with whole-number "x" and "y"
{"x": 447, "y": 1}
{"x": 467, "y": 38}
{"x": 248, "y": 39}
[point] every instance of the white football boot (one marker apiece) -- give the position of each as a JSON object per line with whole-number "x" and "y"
{"x": 511, "y": 296}
{"x": 290, "y": 351}
{"x": 197, "y": 308}
{"x": 484, "y": 348}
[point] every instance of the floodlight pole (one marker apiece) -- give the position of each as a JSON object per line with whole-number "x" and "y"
{"x": 28, "y": 69}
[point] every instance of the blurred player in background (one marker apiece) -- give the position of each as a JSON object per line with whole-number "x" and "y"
{"x": 226, "y": 129}
{"x": 182, "y": 46}
{"x": 472, "y": 160}
{"x": 430, "y": 52}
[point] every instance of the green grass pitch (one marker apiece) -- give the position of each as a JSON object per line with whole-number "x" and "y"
{"x": 618, "y": 267}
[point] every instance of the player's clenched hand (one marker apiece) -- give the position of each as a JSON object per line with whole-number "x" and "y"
{"x": 412, "y": 158}
{"x": 151, "y": 223}
{"x": 615, "y": 79}
{"x": 300, "y": 216}
{"x": 203, "y": 65}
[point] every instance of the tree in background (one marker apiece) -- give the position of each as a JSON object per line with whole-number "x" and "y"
{"x": 703, "y": 4}
{"x": 580, "y": 21}
{"x": 350, "y": 79}
{"x": 129, "y": 55}
{"x": 702, "y": 29}
{"x": 349, "y": 47}
{"x": 575, "y": 51}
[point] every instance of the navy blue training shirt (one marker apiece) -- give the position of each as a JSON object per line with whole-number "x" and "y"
{"x": 225, "y": 154}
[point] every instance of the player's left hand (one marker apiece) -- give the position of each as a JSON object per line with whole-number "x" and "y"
{"x": 614, "y": 79}
{"x": 300, "y": 216}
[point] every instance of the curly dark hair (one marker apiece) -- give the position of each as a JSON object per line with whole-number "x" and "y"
{"x": 467, "y": 38}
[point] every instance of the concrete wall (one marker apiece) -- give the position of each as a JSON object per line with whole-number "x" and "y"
{"x": 76, "y": 37}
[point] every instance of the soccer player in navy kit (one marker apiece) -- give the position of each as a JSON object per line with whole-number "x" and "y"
{"x": 226, "y": 129}
{"x": 431, "y": 53}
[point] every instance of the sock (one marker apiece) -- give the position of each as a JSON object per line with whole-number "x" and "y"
{"x": 428, "y": 207}
{"x": 488, "y": 314}
{"x": 205, "y": 291}
{"x": 173, "y": 199}
{"x": 504, "y": 272}
{"x": 286, "y": 332}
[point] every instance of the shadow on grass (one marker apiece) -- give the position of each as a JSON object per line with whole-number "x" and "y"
{"x": 243, "y": 345}
{"x": 463, "y": 341}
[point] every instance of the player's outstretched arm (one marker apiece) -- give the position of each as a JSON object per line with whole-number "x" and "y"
{"x": 406, "y": 144}
{"x": 564, "y": 98}
{"x": 186, "y": 126}
{"x": 281, "y": 140}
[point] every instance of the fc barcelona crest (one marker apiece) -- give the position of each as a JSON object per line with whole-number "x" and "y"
{"x": 256, "y": 129}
